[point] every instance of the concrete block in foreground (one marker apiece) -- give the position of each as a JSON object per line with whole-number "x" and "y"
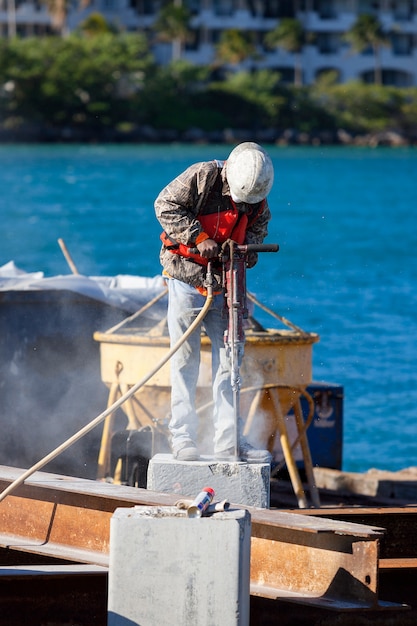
{"x": 239, "y": 483}
{"x": 167, "y": 568}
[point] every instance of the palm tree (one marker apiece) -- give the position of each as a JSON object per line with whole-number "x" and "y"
{"x": 290, "y": 35}
{"x": 11, "y": 18}
{"x": 235, "y": 46}
{"x": 367, "y": 32}
{"x": 58, "y": 10}
{"x": 172, "y": 24}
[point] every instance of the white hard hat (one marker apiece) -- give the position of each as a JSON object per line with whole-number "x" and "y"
{"x": 249, "y": 172}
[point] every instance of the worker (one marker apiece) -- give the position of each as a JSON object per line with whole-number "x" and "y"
{"x": 210, "y": 203}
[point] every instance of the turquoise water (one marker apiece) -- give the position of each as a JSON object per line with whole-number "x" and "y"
{"x": 345, "y": 220}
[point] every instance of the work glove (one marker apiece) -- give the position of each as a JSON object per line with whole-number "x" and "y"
{"x": 208, "y": 248}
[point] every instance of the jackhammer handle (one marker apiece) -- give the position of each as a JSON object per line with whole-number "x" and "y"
{"x": 258, "y": 247}
{"x": 250, "y": 247}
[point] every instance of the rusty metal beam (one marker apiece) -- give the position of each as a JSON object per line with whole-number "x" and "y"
{"x": 59, "y": 595}
{"x": 302, "y": 558}
{"x": 68, "y": 518}
{"x": 400, "y": 524}
{"x": 322, "y": 563}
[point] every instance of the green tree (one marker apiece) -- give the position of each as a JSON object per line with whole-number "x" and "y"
{"x": 235, "y": 46}
{"x": 172, "y": 25}
{"x": 261, "y": 101}
{"x": 367, "y": 32}
{"x": 95, "y": 24}
{"x": 290, "y": 35}
{"x": 77, "y": 82}
{"x": 408, "y": 112}
{"x": 362, "y": 108}
{"x": 172, "y": 97}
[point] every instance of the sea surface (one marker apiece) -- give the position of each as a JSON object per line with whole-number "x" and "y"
{"x": 346, "y": 223}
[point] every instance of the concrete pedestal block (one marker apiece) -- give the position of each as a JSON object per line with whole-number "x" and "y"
{"x": 240, "y": 483}
{"x": 167, "y": 569}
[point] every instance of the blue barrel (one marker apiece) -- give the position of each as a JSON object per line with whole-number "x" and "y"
{"x": 325, "y": 434}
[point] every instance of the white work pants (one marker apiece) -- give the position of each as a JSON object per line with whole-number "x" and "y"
{"x": 185, "y": 303}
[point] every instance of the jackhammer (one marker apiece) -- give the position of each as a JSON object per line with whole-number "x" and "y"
{"x": 234, "y": 260}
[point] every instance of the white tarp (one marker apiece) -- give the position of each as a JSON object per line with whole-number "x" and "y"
{"x": 124, "y": 291}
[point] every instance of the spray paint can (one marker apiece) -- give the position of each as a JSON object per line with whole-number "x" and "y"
{"x": 201, "y": 502}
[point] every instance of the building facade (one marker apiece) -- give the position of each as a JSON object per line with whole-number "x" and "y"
{"x": 325, "y": 21}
